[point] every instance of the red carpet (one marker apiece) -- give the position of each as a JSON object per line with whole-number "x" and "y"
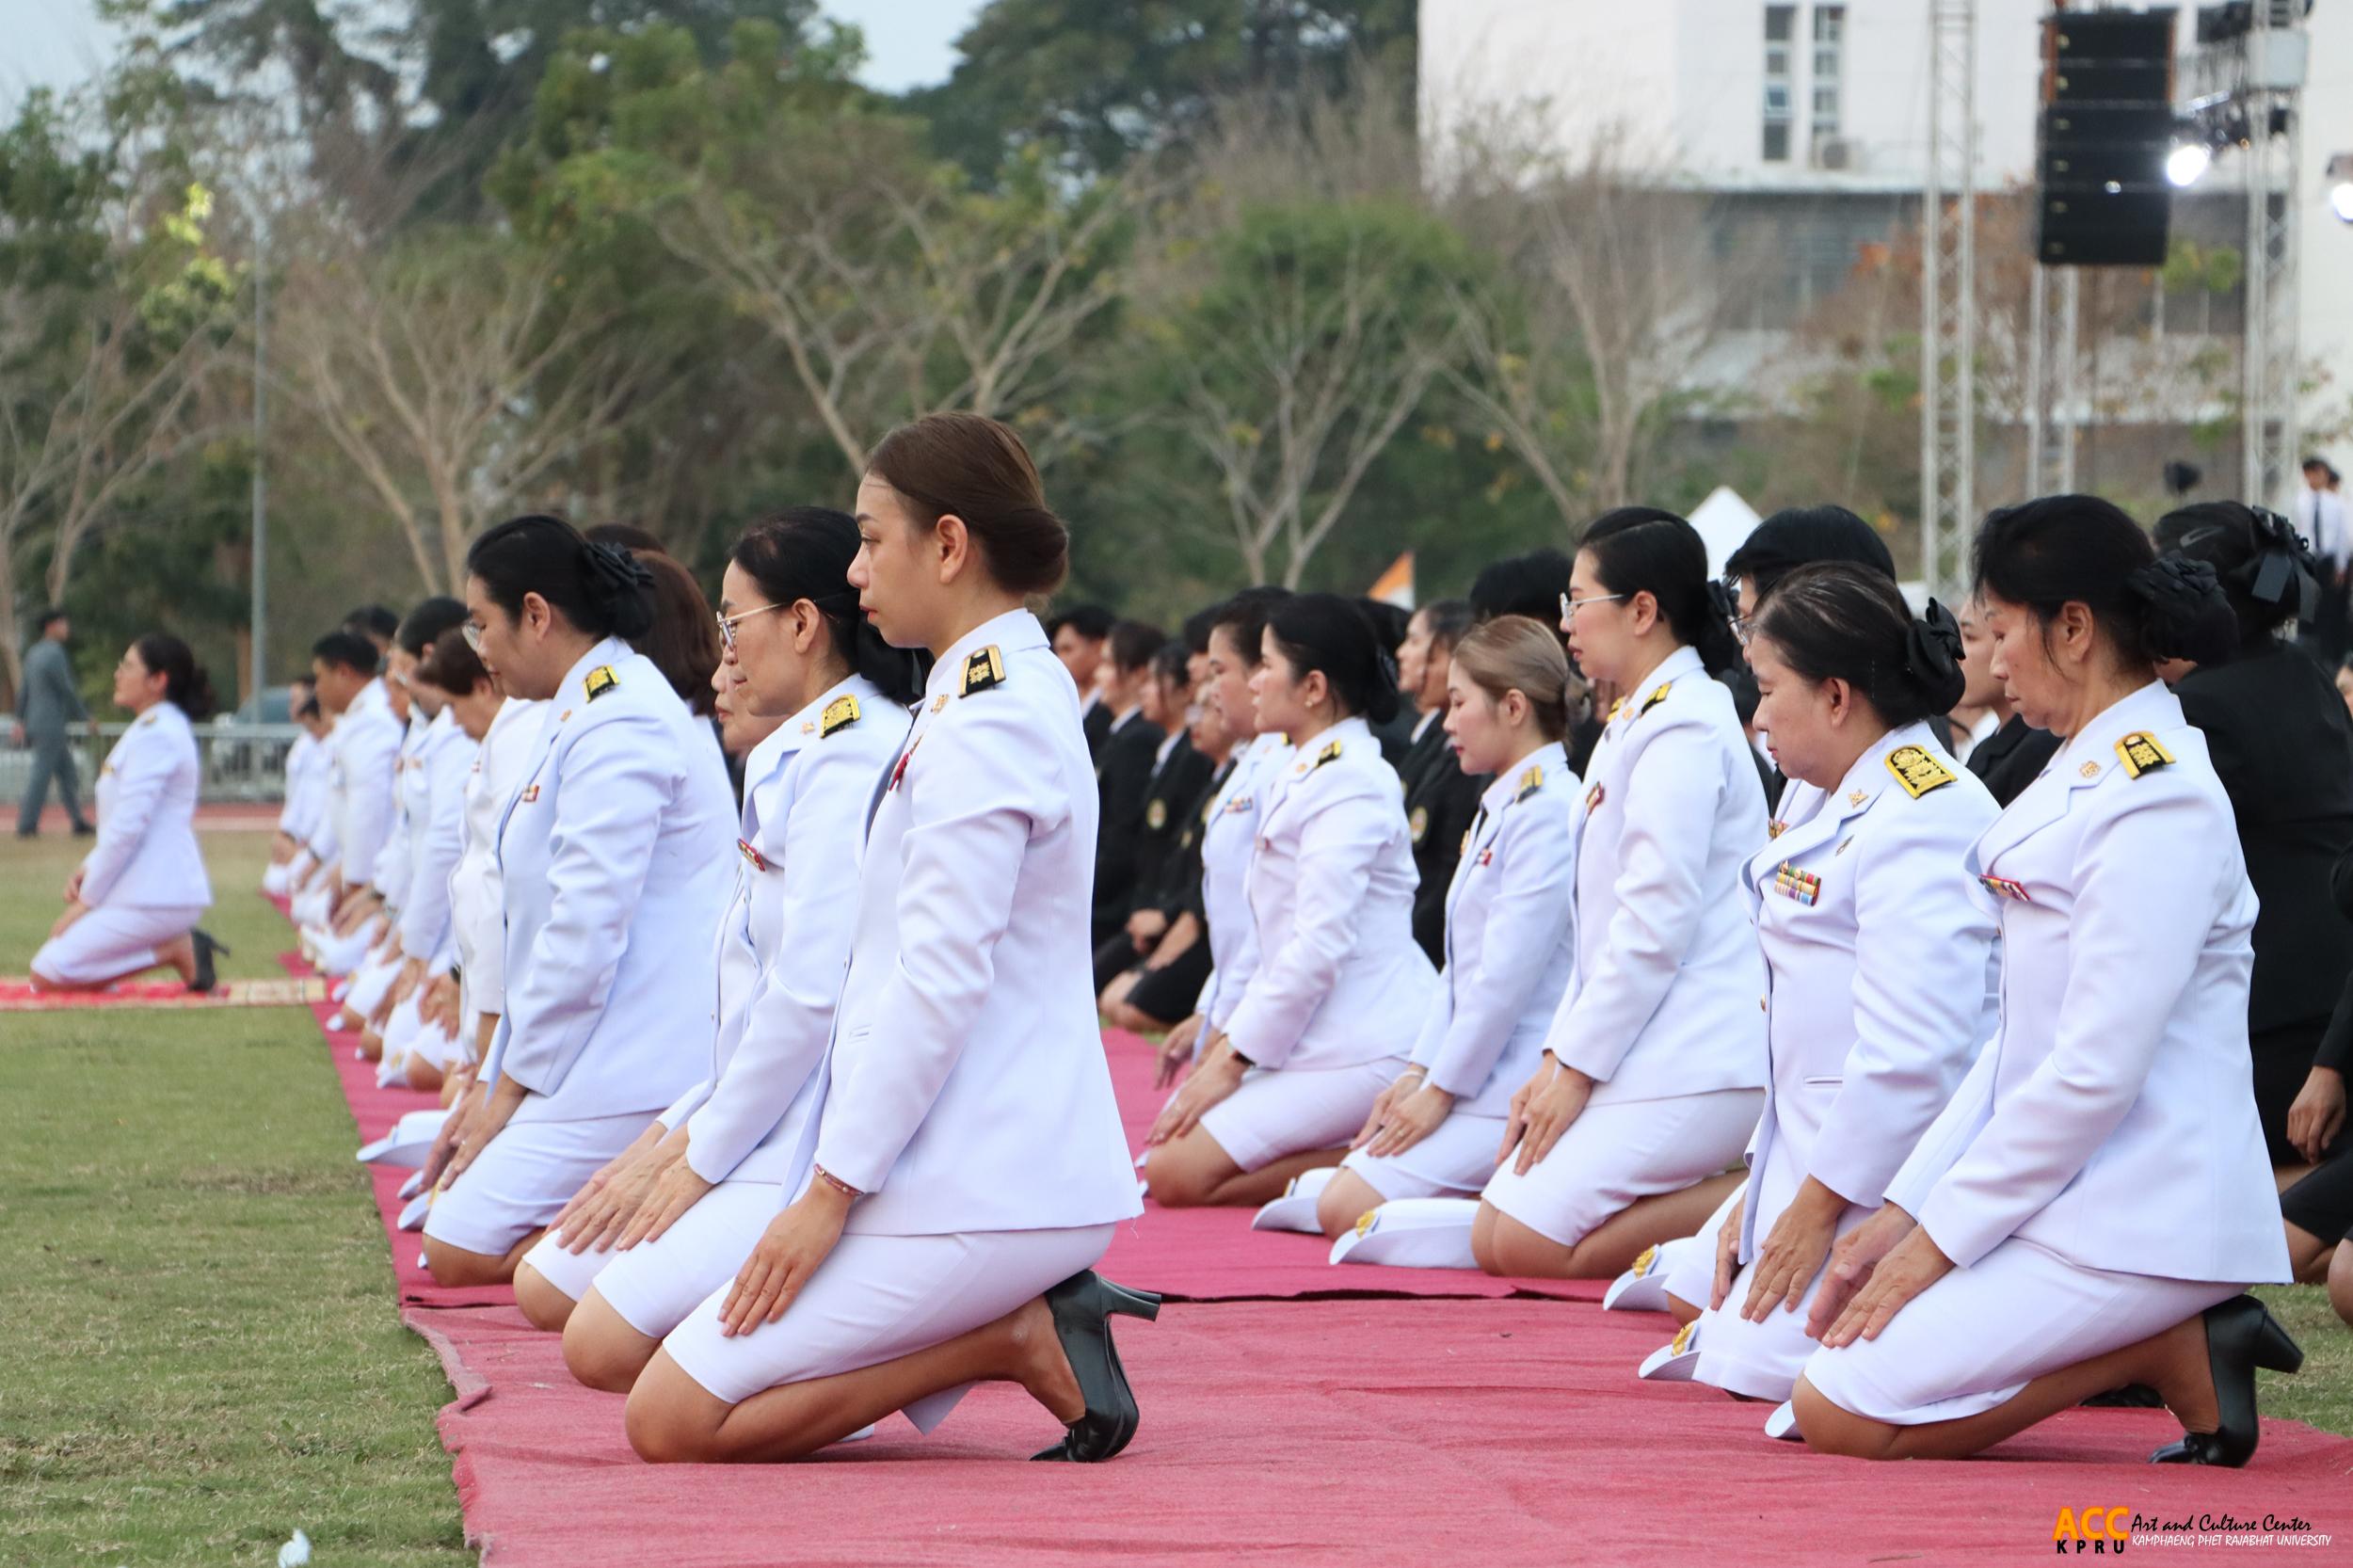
{"x": 1402, "y": 1431}
{"x": 18, "y": 995}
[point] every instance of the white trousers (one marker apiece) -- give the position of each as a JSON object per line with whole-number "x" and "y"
{"x": 522, "y": 1182}
{"x": 878, "y": 1298}
{"x": 1618, "y": 1152}
{"x": 112, "y": 941}
{"x": 1976, "y": 1337}
{"x": 1292, "y": 1111}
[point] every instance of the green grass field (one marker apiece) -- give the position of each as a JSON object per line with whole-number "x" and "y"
{"x": 207, "y": 1353}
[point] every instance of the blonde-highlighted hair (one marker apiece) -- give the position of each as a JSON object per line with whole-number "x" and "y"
{"x": 1518, "y": 653}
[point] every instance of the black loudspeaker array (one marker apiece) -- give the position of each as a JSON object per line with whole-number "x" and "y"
{"x": 2108, "y": 123}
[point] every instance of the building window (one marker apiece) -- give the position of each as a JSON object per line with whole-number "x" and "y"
{"x": 1829, "y": 30}
{"x": 1780, "y": 26}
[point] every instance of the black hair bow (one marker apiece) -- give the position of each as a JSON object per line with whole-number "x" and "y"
{"x": 2175, "y": 584}
{"x": 2282, "y": 566}
{"x": 614, "y": 574}
{"x": 1932, "y": 646}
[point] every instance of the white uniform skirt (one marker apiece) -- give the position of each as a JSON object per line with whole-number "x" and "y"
{"x": 112, "y": 941}
{"x": 522, "y": 1182}
{"x": 1455, "y": 1160}
{"x": 1616, "y": 1153}
{"x": 1976, "y": 1336}
{"x": 878, "y": 1298}
{"x": 656, "y": 1284}
{"x": 1760, "y": 1360}
{"x": 1286, "y": 1111}
{"x": 1690, "y": 1263}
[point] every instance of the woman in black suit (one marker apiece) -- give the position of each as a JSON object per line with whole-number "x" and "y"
{"x": 2283, "y": 746}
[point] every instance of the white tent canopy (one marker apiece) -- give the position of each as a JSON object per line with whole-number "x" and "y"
{"x": 1724, "y": 521}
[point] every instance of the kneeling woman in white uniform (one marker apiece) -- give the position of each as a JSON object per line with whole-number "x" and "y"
{"x": 616, "y": 857}
{"x": 1509, "y": 933}
{"x": 2087, "y": 1211}
{"x": 677, "y": 1226}
{"x": 1654, "y": 1071}
{"x": 1878, "y": 952}
{"x": 133, "y": 904}
{"x": 957, "y": 1159}
{"x": 1326, "y": 1018}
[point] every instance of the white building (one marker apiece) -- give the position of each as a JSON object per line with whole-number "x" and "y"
{"x": 1822, "y": 110}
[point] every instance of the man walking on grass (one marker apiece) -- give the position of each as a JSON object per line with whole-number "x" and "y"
{"x": 47, "y": 707}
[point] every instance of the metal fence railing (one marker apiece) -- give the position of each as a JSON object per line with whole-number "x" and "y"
{"x": 241, "y": 762}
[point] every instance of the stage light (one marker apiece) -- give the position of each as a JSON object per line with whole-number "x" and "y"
{"x": 2339, "y": 176}
{"x": 2187, "y": 164}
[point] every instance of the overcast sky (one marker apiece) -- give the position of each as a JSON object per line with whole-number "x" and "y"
{"x": 908, "y": 43}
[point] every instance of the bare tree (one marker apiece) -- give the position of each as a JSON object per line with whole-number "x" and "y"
{"x": 1605, "y": 306}
{"x": 455, "y": 373}
{"x": 894, "y": 291}
{"x": 1300, "y": 297}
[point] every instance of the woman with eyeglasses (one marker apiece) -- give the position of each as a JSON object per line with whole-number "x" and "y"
{"x": 1655, "y": 1067}
{"x": 953, "y": 1159}
{"x": 2088, "y": 1209}
{"x": 641, "y": 1246}
{"x": 1326, "y": 1017}
{"x": 133, "y": 903}
{"x": 1879, "y": 955}
{"x": 614, "y": 855}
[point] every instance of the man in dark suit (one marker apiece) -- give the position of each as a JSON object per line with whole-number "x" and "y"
{"x": 1440, "y": 799}
{"x": 1124, "y": 765}
{"x": 47, "y": 707}
{"x": 1080, "y": 635}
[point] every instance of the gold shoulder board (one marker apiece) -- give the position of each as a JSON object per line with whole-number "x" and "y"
{"x": 1918, "y": 770}
{"x": 1329, "y": 754}
{"x": 600, "y": 681}
{"x": 983, "y": 669}
{"x": 1530, "y": 781}
{"x": 2141, "y": 753}
{"x": 840, "y": 714}
{"x": 1655, "y": 700}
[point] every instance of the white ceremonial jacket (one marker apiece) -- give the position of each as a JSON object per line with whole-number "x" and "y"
{"x": 737, "y": 961}
{"x": 808, "y": 827}
{"x": 1880, "y": 964}
{"x": 2112, "y": 1120}
{"x": 306, "y": 761}
{"x": 1667, "y": 974}
{"x": 396, "y": 863}
{"x": 1511, "y": 936}
{"x": 1229, "y": 836}
{"x": 363, "y": 751}
{"x": 1340, "y": 979}
{"x": 146, "y": 857}
{"x": 435, "y": 837}
{"x": 614, "y": 857}
{"x": 965, "y": 1088}
{"x": 477, "y": 911}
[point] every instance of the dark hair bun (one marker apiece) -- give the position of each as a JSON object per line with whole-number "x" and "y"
{"x": 1331, "y": 634}
{"x": 621, "y": 587}
{"x": 2187, "y": 616}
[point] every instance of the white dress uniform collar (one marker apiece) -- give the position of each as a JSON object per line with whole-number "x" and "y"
{"x": 2088, "y": 760}
{"x": 1015, "y": 628}
{"x": 1551, "y": 763}
{"x": 572, "y": 691}
{"x": 1811, "y": 815}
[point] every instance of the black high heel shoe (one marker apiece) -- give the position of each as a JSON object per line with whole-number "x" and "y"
{"x": 1082, "y": 1307}
{"x": 2241, "y": 1336}
{"x": 205, "y": 948}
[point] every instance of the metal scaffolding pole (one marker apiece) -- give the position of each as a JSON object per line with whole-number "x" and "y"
{"x": 1948, "y": 314}
{"x": 2270, "y": 386}
{"x": 2054, "y": 356}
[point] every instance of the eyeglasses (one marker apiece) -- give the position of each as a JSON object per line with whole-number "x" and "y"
{"x": 471, "y": 631}
{"x": 727, "y": 624}
{"x": 1569, "y": 607}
